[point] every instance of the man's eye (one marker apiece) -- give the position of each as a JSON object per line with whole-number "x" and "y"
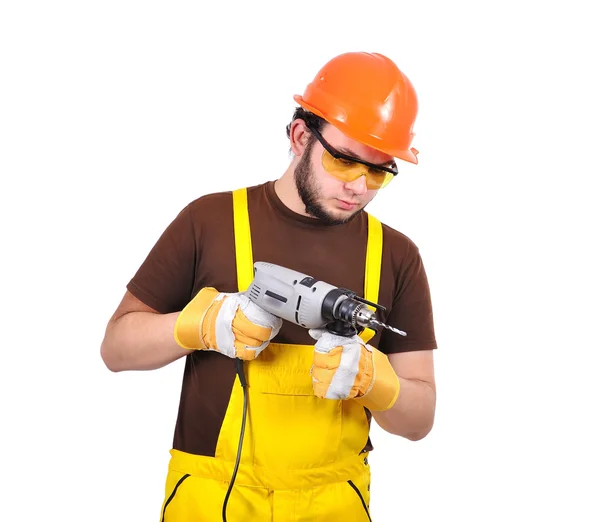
{"x": 377, "y": 173}
{"x": 346, "y": 163}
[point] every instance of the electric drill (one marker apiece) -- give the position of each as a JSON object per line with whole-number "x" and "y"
{"x": 301, "y": 299}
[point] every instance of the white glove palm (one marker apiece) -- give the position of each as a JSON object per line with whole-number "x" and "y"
{"x": 341, "y": 368}
{"x": 347, "y": 368}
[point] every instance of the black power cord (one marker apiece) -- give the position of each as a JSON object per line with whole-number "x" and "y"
{"x": 239, "y": 368}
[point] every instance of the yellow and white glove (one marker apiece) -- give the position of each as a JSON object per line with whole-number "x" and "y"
{"x": 227, "y": 323}
{"x": 347, "y": 368}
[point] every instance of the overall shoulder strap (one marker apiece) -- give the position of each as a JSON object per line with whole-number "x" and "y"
{"x": 243, "y": 240}
{"x": 373, "y": 267}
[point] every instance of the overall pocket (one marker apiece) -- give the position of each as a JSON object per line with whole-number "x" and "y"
{"x": 172, "y": 495}
{"x": 291, "y": 427}
{"x": 365, "y": 503}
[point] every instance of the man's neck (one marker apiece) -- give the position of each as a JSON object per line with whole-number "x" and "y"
{"x": 285, "y": 188}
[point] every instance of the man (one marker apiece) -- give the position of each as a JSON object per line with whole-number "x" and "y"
{"x": 305, "y": 407}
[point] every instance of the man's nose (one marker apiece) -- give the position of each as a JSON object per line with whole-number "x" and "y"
{"x": 358, "y": 186}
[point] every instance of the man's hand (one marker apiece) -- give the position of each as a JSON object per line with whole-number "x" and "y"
{"x": 347, "y": 368}
{"x": 227, "y": 323}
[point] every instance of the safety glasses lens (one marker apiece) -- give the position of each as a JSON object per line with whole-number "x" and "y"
{"x": 347, "y": 171}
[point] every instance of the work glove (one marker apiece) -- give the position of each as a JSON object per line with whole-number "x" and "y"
{"x": 347, "y": 368}
{"x": 227, "y": 323}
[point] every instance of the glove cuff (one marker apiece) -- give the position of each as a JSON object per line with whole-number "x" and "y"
{"x": 188, "y": 327}
{"x": 385, "y": 386}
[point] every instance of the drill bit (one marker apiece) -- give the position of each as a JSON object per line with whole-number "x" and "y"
{"x": 395, "y": 330}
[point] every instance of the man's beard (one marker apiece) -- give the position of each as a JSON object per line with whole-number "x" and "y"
{"x": 305, "y": 183}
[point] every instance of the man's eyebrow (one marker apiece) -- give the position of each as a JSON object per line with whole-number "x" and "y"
{"x": 348, "y": 152}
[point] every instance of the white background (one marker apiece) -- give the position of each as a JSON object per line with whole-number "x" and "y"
{"x": 114, "y": 115}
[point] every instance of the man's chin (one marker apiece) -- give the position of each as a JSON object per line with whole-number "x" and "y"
{"x": 335, "y": 215}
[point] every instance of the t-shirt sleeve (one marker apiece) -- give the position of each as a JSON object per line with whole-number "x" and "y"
{"x": 411, "y": 310}
{"x": 165, "y": 279}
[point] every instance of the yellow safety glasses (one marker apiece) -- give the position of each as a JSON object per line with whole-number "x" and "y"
{"x": 347, "y": 168}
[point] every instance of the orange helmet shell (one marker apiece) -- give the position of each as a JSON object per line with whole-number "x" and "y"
{"x": 369, "y": 99}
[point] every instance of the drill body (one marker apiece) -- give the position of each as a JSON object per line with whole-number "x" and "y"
{"x": 307, "y": 302}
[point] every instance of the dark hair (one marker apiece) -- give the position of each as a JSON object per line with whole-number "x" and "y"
{"x": 309, "y": 118}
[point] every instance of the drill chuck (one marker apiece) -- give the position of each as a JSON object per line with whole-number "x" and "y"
{"x": 355, "y": 313}
{"x": 338, "y": 305}
{"x": 364, "y": 316}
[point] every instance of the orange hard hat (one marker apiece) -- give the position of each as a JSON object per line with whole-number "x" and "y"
{"x": 369, "y": 99}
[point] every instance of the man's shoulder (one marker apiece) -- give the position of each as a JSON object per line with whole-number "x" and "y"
{"x": 398, "y": 241}
{"x": 212, "y": 199}
{"x": 216, "y": 202}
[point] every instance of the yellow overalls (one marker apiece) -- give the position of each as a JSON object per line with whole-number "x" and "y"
{"x": 302, "y": 456}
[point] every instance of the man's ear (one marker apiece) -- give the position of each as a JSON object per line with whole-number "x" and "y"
{"x": 299, "y": 136}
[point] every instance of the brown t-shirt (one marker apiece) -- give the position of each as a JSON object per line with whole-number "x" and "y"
{"x": 197, "y": 250}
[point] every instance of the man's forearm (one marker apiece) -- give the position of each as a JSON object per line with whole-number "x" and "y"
{"x": 412, "y": 414}
{"x": 141, "y": 341}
